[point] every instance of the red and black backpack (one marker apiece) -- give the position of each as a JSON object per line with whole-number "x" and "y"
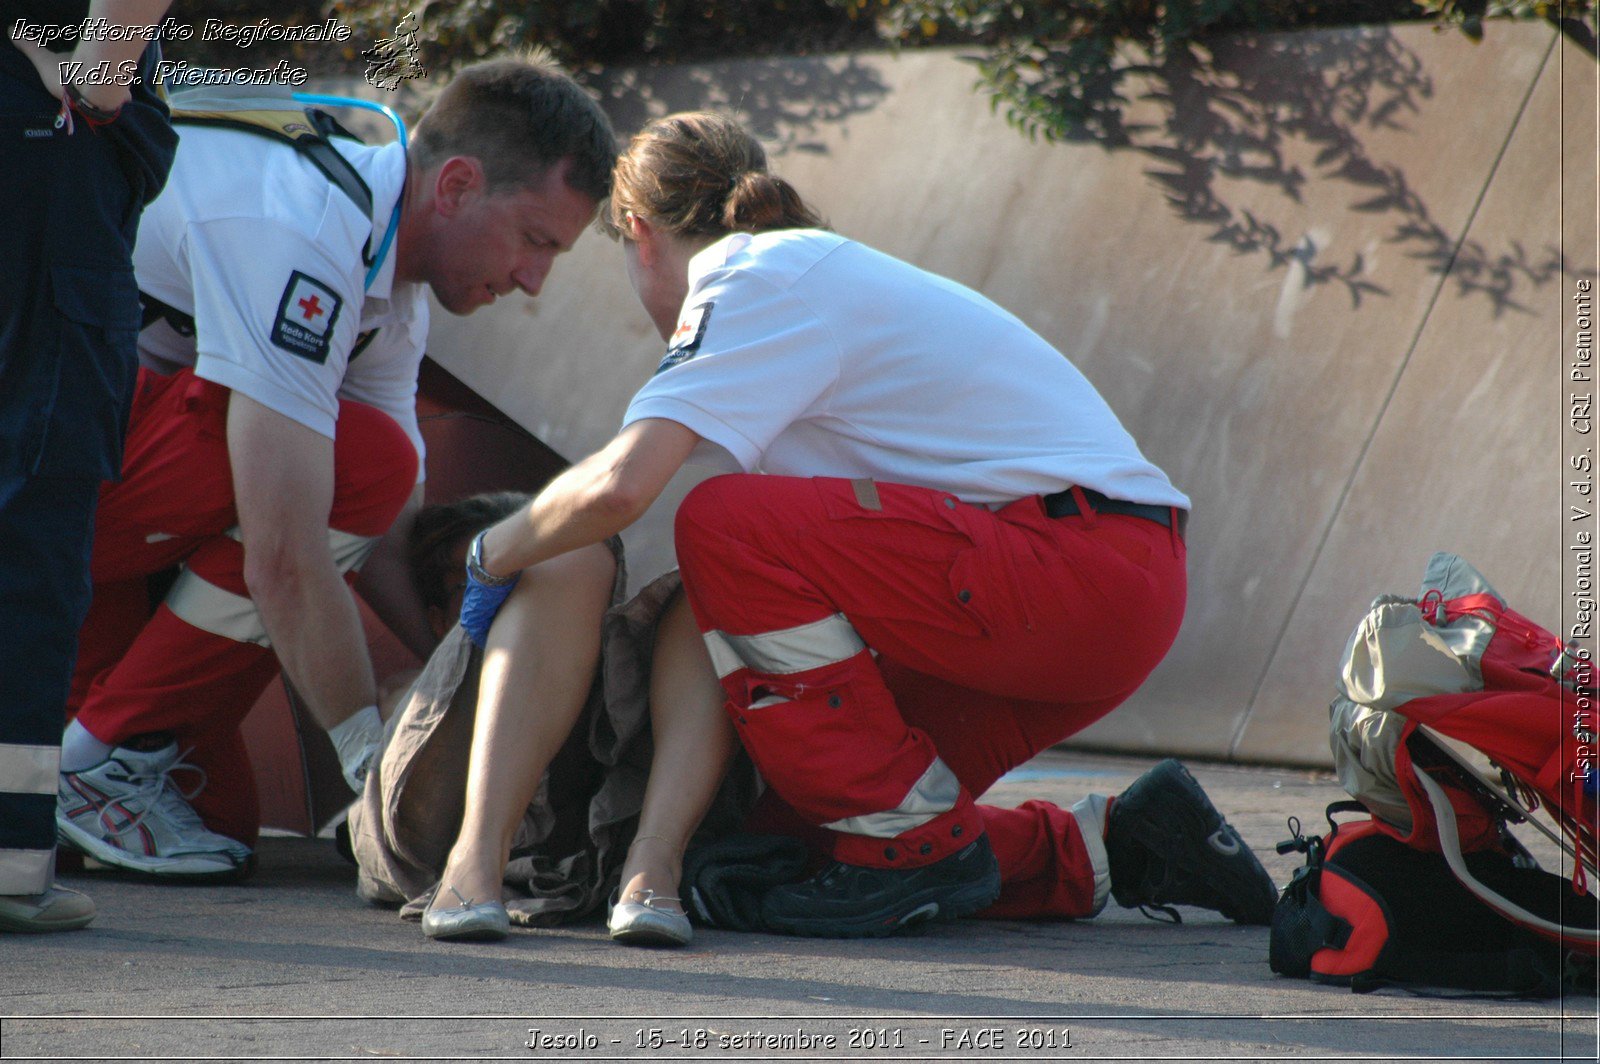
{"x": 1457, "y": 719}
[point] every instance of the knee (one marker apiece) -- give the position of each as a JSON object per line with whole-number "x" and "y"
{"x": 705, "y": 514}
{"x": 556, "y": 608}
{"x": 375, "y": 469}
{"x": 586, "y": 573}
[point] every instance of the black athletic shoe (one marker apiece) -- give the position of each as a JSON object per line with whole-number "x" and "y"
{"x": 850, "y": 901}
{"x": 1167, "y": 845}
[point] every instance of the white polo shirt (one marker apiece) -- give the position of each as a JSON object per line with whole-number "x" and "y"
{"x": 265, "y": 253}
{"x": 801, "y": 353}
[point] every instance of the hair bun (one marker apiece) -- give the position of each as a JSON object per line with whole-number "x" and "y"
{"x": 760, "y": 200}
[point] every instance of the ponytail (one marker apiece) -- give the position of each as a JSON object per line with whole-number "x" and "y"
{"x": 760, "y": 200}
{"x": 702, "y": 174}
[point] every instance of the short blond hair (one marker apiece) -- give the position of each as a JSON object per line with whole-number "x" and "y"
{"x": 519, "y": 117}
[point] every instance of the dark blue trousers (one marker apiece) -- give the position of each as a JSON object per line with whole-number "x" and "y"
{"x": 69, "y": 321}
{"x": 46, "y": 527}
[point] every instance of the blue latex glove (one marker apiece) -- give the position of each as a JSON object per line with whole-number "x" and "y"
{"x": 479, "y": 605}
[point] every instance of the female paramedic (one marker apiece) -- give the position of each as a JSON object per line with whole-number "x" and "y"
{"x": 937, "y": 553}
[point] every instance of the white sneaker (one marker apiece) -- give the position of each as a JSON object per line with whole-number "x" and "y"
{"x": 128, "y": 812}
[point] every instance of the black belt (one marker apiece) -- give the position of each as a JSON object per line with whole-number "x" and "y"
{"x": 1065, "y": 504}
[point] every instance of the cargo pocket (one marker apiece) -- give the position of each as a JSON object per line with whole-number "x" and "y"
{"x": 973, "y": 589}
{"x": 97, "y": 359}
{"x": 917, "y": 551}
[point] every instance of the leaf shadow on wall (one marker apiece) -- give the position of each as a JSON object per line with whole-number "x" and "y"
{"x": 1208, "y": 117}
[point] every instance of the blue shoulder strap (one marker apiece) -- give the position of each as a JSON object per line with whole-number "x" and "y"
{"x": 400, "y": 130}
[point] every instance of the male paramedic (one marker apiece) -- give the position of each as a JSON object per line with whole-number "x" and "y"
{"x": 274, "y": 438}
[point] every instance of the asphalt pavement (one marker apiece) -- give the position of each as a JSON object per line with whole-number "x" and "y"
{"x": 292, "y": 965}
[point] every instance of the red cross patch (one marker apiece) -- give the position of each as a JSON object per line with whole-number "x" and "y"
{"x": 306, "y": 315}
{"x": 684, "y": 343}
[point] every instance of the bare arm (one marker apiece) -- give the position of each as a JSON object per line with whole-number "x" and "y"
{"x": 596, "y": 498}
{"x": 283, "y": 486}
{"x": 386, "y": 584}
{"x": 110, "y": 96}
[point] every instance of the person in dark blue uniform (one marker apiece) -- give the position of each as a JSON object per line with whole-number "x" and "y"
{"x": 74, "y": 177}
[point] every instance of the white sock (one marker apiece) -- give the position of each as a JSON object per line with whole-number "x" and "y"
{"x": 357, "y": 739}
{"x": 80, "y": 749}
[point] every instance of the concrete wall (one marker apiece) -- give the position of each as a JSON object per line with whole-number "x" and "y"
{"x": 1321, "y": 279}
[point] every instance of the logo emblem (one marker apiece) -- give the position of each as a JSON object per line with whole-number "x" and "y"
{"x": 685, "y": 341}
{"x": 306, "y": 315}
{"x": 1223, "y": 842}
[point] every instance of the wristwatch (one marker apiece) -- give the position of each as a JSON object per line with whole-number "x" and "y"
{"x": 475, "y": 567}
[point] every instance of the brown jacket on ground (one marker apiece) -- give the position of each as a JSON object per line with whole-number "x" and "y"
{"x": 567, "y": 854}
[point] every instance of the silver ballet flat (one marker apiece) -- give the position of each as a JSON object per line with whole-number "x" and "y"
{"x": 486, "y": 921}
{"x": 640, "y": 923}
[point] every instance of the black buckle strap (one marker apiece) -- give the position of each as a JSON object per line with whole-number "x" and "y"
{"x": 1065, "y": 504}
{"x": 152, "y": 310}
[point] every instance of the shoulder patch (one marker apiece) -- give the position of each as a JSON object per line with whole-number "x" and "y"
{"x": 305, "y": 318}
{"x": 685, "y": 342}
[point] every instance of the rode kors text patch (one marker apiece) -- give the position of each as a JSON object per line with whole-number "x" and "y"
{"x": 305, "y": 317}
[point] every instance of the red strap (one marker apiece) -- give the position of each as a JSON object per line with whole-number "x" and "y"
{"x": 1508, "y": 622}
{"x": 1084, "y": 509}
{"x": 1480, "y": 605}
{"x": 72, "y": 101}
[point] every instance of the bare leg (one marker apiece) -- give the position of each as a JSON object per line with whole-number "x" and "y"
{"x": 694, "y": 741}
{"x": 536, "y": 674}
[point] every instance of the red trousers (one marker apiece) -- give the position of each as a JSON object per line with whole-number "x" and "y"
{"x": 889, "y": 652}
{"x": 194, "y": 664}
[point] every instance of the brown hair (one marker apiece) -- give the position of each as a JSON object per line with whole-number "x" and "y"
{"x": 442, "y": 528}
{"x": 519, "y": 117}
{"x": 701, "y": 174}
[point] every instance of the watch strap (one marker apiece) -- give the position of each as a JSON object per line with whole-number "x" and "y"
{"x": 475, "y": 567}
